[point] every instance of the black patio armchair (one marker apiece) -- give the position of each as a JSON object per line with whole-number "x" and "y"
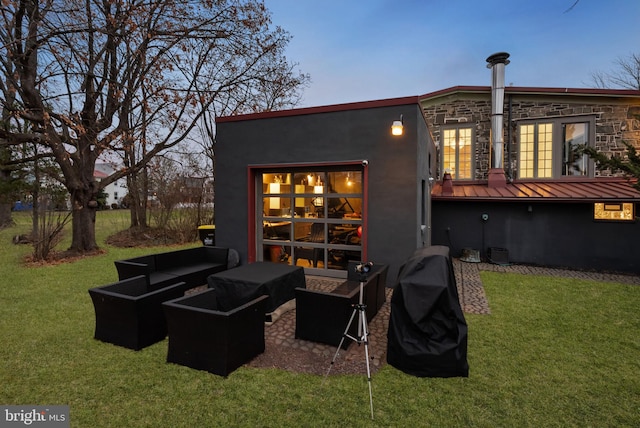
{"x": 129, "y": 312}
{"x": 205, "y": 338}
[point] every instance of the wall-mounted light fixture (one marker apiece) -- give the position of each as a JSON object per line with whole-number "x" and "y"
{"x": 397, "y": 128}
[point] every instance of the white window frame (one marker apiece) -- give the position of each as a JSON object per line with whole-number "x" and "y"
{"x": 455, "y": 173}
{"x": 558, "y": 123}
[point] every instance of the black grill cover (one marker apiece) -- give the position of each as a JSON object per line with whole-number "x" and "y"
{"x": 427, "y": 334}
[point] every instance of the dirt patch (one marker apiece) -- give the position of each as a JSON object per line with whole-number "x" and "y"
{"x": 60, "y": 257}
{"x": 129, "y": 238}
{"x": 145, "y": 237}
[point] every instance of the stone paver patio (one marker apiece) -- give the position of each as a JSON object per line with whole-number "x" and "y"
{"x": 281, "y": 333}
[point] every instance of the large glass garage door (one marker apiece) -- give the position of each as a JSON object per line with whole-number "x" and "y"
{"x": 311, "y": 217}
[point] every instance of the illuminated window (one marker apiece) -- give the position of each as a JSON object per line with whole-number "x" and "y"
{"x": 536, "y": 151}
{"x": 311, "y": 217}
{"x": 620, "y": 211}
{"x": 457, "y": 152}
{"x": 549, "y": 148}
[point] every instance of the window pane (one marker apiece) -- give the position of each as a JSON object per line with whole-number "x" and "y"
{"x": 276, "y": 230}
{"x": 300, "y": 212}
{"x": 617, "y": 212}
{"x": 268, "y": 179}
{"x": 449, "y": 151}
{"x": 550, "y": 148}
{"x": 344, "y": 207}
{"x": 276, "y": 206}
{"x": 339, "y": 258}
{"x": 344, "y": 234}
{"x": 345, "y": 182}
{"x": 536, "y": 151}
{"x": 545, "y": 150}
{"x": 308, "y": 189}
{"x": 346, "y": 241}
{"x": 464, "y": 162}
{"x": 464, "y": 153}
{"x": 309, "y": 179}
{"x": 525, "y": 169}
{"x": 457, "y": 152}
{"x": 575, "y": 134}
{"x": 277, "y": 253}
{"x": 302, "y": 231}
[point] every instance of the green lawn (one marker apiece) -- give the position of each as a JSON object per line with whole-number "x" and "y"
{"x": 554, "y": 352}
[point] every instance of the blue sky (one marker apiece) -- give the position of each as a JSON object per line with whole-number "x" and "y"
{"x": 362, "y": 50}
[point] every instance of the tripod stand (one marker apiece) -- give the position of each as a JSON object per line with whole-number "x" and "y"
{"x": 363, "y": 332}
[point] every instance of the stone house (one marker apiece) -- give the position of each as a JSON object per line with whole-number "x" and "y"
{"x": 541, "y": 202}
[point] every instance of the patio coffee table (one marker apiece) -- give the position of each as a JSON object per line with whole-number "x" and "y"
{"x": 244, "y": 283}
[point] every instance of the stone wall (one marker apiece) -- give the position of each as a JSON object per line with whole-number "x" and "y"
{"x": 615, "y": 123}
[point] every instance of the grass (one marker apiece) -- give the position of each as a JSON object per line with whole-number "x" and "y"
{"x": 554, "y": 352}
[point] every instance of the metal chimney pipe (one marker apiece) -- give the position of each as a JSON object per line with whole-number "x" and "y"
{"x": 496, "y": 63}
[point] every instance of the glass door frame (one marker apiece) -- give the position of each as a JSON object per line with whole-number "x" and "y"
{"x": 254, "y": 202}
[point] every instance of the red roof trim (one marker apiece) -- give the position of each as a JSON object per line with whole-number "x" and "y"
{"x": 321, "y": 109}
{"x": 534, "y": 90}
{"x": 416, "y": 100}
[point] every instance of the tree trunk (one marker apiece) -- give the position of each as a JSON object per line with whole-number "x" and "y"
{"x": 35, "y": 192}
{"x": 138, "y": 208}
{"x": 5, "y": 199}
{"x": 83, "y": 214}
{"x": 5, "y": 215}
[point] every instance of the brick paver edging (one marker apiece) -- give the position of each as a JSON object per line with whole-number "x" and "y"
{"x": 474, "y": 300}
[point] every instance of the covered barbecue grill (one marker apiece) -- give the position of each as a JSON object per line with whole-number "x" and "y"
{"x": 427, "y": 334}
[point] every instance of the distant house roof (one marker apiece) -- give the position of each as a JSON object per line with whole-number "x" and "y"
{"x": 566, "y": 190}
{"x": 99, "y": 174}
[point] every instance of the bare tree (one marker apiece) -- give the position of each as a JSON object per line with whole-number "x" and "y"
{"x": 625, "y": 75}
{"x": 128, "y": 78}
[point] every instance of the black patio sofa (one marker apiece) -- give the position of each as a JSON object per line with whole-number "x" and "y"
{"x": 192, "y": 266}
{"x": 129, "y": 312}
{"x": 323, "y": 316}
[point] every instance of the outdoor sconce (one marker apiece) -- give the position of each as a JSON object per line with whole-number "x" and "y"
{"x": 397, "y": 127}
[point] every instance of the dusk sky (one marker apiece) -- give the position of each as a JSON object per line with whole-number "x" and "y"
{"x": 362, "y": 50}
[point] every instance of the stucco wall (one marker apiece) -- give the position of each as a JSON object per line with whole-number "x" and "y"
{"x": 395, "y": 170}
{"x": 546, "y": 234}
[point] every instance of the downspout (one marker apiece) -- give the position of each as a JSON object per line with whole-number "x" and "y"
{"x": 509, "y": 136}
{"x": 497, "y": 63}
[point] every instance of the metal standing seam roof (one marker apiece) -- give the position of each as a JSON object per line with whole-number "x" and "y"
{"x": 591, "y": 190}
